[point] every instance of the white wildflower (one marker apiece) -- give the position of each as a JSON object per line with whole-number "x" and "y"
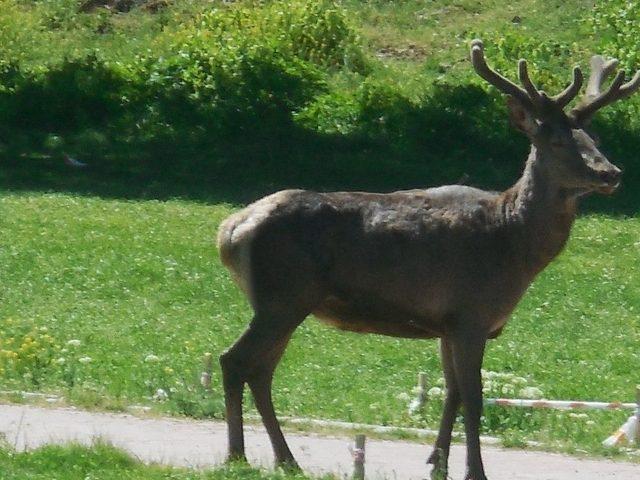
{"x": 578, "y": 415}
{"x": 435, "y": 392}
{"x": 507, "y": 389}
{"x": 160, "y": 395}
{"x": 84, "y": 360}
{"x": 74, "y": 342}
{"x": 530, "y": 392}
{"x": 403, "y": 397}
{"x": 61, "y": 361}
{"x": 152, "y": 358}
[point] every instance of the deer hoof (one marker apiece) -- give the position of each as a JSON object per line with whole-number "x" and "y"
{"x": 438, "y": 474}
{"x": 439, "y": 461}
{"x": 470, "y": 476}
{"x": 236, "y": 458}
{"x": 289, "y": 466}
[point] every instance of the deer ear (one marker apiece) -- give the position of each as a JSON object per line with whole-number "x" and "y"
{"x": 521, "y": 117}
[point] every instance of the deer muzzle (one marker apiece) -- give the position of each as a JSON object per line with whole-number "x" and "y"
{"x": 609, "y": 180}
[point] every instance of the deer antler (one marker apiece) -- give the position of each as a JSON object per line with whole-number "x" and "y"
{"x": 569, "y": 93}
{"x": 529, "y": 96}
{"x": 594, "y": 98}
{"x": 497, "y": 80}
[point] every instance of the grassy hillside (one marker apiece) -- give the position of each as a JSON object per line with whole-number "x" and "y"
{"x": 197, "y": 96}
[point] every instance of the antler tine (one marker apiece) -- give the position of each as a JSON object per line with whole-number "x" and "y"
{"x": 594, "y": 98}
{"x": 631, "y": 86}
{"x": 563, "y": 98}
{"x": 523, "y": 74}
{"x": 583, "y": 113}
{"x": 600, "y": 70}
{"x": 493, "y": 77}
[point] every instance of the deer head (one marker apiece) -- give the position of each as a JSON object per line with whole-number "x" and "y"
{"x": 566, "y": 153}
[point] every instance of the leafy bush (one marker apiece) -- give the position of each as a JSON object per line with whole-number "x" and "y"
{"x": 76, "y": 94}
{"x": 252, "y": 64}
{"x": 227, "y": 88}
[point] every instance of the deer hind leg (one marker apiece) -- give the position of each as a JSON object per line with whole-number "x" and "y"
{"x": 260, "y": 383}
{"x": 233, "y": 380}
{"x": 283, "y": 289}
{"x": 252, "y": 359}
{"x": 440, "y": 456}
{"x": 467, "y": 352}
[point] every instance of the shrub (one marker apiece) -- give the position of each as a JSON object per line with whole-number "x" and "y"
{"x": 78, "y": 93}
{"x": 229, "y": 89}
{"x": 252, "y": 65}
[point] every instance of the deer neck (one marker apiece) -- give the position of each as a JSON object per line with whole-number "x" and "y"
{"x": 542, "y": 211}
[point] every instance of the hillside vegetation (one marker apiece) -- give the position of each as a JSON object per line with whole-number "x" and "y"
{"x": 188, "y": 98}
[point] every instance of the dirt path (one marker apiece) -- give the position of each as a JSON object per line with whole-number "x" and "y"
{"x": 200, "y": 444}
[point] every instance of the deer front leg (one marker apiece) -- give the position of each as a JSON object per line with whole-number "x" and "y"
{"x": 440, "y": 456}
{"x": 467, "y": 353}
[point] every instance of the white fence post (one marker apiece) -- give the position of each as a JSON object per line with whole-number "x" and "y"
{"x": 205, "y": 378}
{"x": 421, "y": 394}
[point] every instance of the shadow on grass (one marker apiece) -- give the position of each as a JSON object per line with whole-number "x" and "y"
{"x": 458, "y": 133}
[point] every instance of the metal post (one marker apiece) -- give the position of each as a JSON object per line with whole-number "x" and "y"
{"x": 205, "y": 378}
{"x": 358, "y": 458}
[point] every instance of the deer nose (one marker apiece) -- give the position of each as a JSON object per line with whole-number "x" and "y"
{"x": 610, "y": 176}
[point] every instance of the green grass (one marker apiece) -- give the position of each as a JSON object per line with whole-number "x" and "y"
{"x": 439, "y": 30}
{"x": 130, "y": 279}
{"x": 104, "y": 462}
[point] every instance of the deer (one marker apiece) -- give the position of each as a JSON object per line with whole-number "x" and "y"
{"x": 449, "y": 262}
